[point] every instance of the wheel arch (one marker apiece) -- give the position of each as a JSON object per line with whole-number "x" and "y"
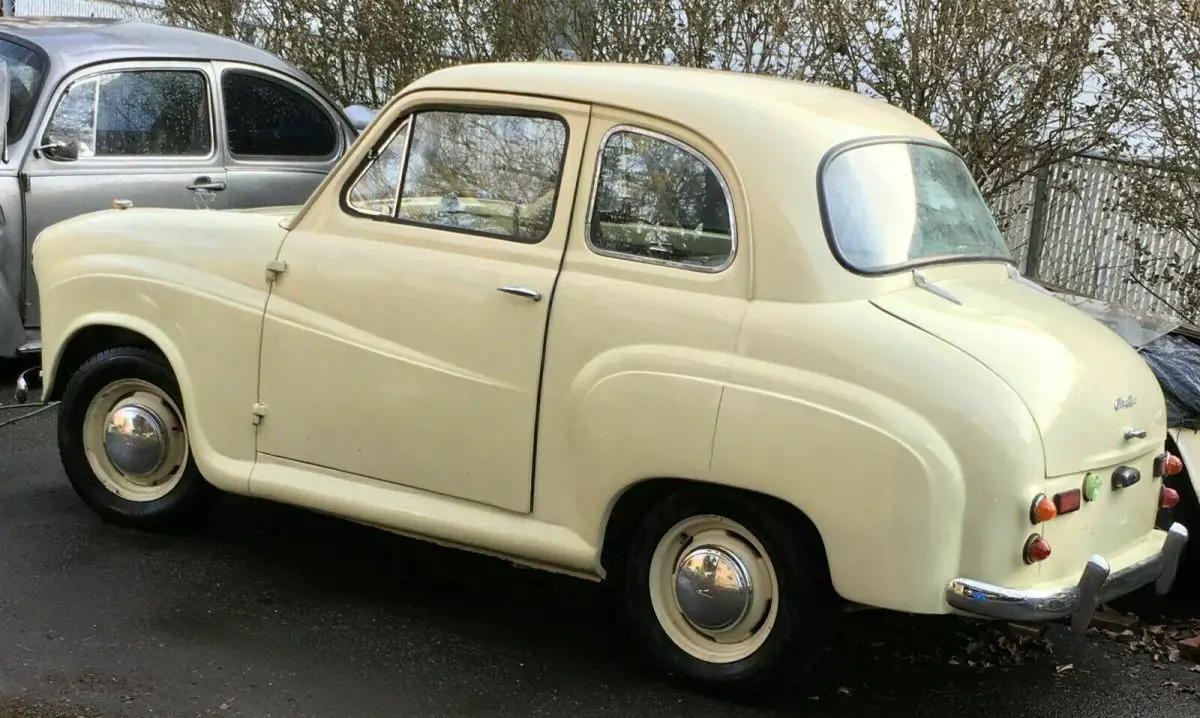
{"x": 86, "y": 342}
{"x": 635, "y": 499}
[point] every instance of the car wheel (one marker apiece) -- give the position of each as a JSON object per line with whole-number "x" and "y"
{"x": 725, "y": 593}
{"x": 123, "y": 441}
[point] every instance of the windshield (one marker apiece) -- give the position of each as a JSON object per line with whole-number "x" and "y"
{"x": 26, "y": 71}
{"x": 893, "y": 205}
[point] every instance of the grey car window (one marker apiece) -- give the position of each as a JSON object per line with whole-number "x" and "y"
{"x": 266, "y": 118}
{"x": 163, "y": 113}
{"x": 375, "y": 190}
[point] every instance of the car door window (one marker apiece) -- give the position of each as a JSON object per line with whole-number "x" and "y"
{"x": 157, "y": 113}
{"x": 267, "y": 119}
{"x": 377, "y": 186}
{"x": 659, "y": 200}
{"x": 483, "y": 173}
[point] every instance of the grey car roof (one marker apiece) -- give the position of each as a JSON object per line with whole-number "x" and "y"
{"x": 71, "y": 42}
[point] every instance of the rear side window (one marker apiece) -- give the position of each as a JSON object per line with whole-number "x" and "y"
{"x": 659, "y": 200}
{"x": 268, "y": 119}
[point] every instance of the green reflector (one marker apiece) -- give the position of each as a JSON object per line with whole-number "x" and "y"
{"x": 1091, "y": 486}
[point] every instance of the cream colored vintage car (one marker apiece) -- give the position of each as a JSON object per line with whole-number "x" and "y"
{"x": 749, "y": 348}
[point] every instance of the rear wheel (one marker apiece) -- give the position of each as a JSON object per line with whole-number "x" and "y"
{"x": 123, "y": 441}
{"x": 726, "y": 593}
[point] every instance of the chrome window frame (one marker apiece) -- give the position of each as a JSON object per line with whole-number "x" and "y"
{"x": 685, "y": 147}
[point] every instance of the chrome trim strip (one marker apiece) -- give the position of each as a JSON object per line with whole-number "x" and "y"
{"x": 587, "y": 225}
{"x": 1097, "y": 584}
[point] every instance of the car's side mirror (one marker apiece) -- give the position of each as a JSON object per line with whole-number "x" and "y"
{"x": 360, "y": 117}
{"x": 60, "y": 151}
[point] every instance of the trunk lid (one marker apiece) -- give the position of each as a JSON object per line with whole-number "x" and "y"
{"x": 1083, "y": 384}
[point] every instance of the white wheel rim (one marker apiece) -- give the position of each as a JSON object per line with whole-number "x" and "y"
{"x": 731, "y": 557}
{"x": 160, "y": 449}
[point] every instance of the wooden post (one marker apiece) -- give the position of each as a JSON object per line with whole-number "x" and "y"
{"x": 1037, "y": 228}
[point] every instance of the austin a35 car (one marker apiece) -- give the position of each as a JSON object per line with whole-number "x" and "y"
{"x": 748, "y": 348}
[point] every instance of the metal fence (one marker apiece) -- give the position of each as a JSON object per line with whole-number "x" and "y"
{"x": 132, "y": 9}
{"x": 1057, "y": 224}
{"x": 1061, "y": 226}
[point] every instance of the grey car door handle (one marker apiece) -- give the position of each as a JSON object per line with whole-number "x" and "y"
{"x": 533, "y": 294}
{"x": 204, "y": 184}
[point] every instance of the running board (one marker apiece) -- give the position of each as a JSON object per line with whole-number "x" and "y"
{"x": 33, "y": 347}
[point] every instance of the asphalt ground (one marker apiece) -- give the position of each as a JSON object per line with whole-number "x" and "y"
{"x": 273, "y": 611}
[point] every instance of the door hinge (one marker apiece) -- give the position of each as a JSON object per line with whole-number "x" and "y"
{"x": 258, "y": 411}
{"x": 275, "y": 267}
{"x": 23, "y": 181}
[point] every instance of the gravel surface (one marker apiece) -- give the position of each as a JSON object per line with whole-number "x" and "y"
{"x": 276, "y": 612}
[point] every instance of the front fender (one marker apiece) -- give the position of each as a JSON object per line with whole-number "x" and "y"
{"x": 191, "y": 282}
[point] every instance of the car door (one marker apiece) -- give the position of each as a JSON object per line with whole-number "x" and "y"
{"x": 142, "y": 131}
{"x": 281, "y": 137}
{"x": 404, "y": 340}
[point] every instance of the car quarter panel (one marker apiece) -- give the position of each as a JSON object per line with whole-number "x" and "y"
{"x": 193, "y": 283}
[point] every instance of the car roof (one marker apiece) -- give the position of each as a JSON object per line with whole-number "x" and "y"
{"x": 72, "y": 42}
{"x": 717, "y": 103}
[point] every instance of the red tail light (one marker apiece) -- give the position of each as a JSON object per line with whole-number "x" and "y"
{"x": 1068, "y": 501}
{"x": 1036, "y": 549}
{"x": 1170, "y": 498}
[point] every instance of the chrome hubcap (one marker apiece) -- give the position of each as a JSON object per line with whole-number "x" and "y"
{"x": 713, "y": 588}
{"x": 135, "y": 440}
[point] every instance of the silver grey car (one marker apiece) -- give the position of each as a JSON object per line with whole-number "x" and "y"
{"x": 100, "y": 110}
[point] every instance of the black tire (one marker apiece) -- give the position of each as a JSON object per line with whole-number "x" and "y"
{"x": 185, "y": 504}
{"x": 805, "y": 599}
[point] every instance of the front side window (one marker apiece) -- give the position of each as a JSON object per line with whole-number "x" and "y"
{"x": 266, "y": 119}
{"x": 659, "y": 200}
{"x": 156, "y": 113}
{"x": 483, "y": 173}
{"x": 893, "y": 205}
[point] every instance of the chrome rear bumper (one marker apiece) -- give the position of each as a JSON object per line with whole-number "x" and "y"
{"x": 1098, "y": 584}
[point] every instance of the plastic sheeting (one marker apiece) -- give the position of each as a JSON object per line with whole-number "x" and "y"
{"x": 1175, "y": 361}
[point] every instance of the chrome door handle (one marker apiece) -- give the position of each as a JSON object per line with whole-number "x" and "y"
{"x": 1135, "y": 434}
{"x": 204, "y": 184}
{"x": 533, "y": 294}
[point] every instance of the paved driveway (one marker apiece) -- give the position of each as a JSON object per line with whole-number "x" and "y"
{"x": 273, "y": 611}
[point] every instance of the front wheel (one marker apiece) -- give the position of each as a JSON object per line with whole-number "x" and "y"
{"x": 123, "y": 441}
{"x": 726, "y": 593}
